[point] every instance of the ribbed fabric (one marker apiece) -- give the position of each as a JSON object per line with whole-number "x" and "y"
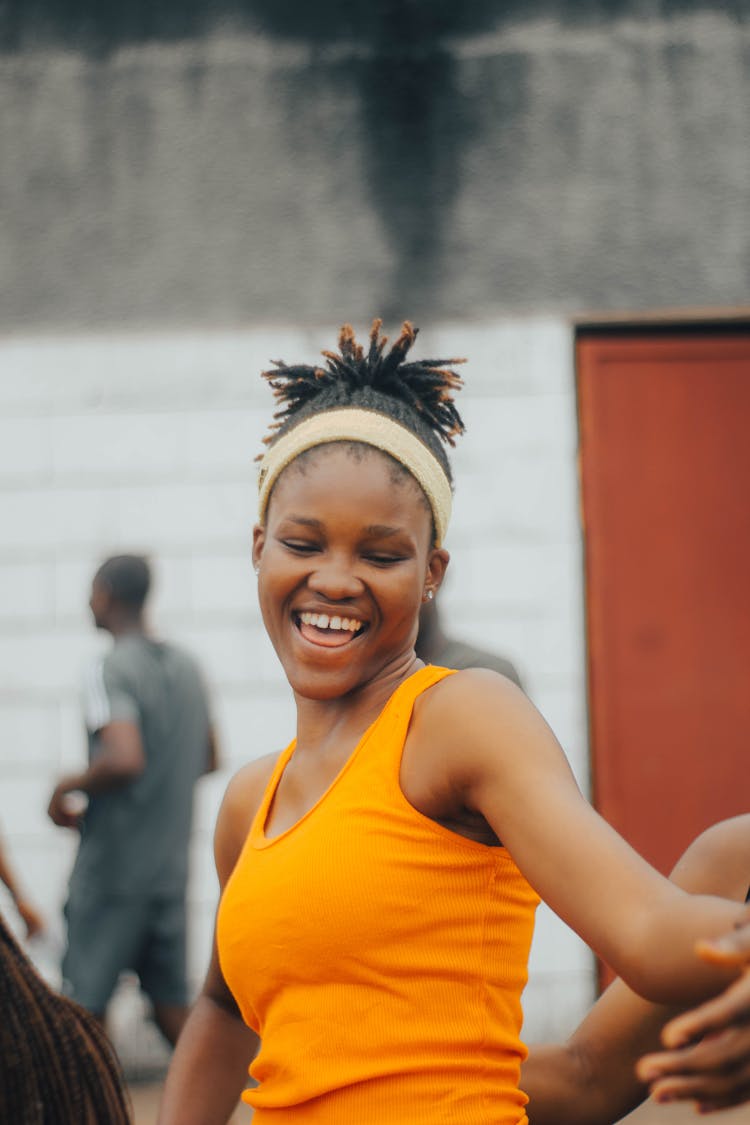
{"x": 379, "y": 956}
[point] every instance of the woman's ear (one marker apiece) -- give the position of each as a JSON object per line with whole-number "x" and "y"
{"x": 437, "y": 564}
{"x": 259, "y": 540}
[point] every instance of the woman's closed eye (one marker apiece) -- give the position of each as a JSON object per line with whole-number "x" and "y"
{"x": 379, "y": 559}
{"x": 300, "y": 546}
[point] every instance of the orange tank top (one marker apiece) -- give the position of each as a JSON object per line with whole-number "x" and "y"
{"x": 379, "y": 956}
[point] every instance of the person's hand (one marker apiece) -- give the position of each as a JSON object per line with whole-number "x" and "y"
{"x": 31, "y": 918}
{"x": 708, "y": 1048}
{"x": 64, "y": 809}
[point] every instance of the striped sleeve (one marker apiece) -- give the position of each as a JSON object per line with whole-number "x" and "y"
{"x": 97, "y": 711}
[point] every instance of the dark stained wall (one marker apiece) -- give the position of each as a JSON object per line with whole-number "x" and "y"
{"x": 279, "y": 160}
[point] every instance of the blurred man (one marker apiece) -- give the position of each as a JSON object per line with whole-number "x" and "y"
{"x": 435, "y": 647}
{"x": 150, "y": 739}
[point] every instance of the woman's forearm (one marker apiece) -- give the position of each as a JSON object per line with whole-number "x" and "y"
{"x": 668, "y": 971}
{"x": 209, "y": 1067}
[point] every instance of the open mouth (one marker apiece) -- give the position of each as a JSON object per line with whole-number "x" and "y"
{"x": 329, "y": 630}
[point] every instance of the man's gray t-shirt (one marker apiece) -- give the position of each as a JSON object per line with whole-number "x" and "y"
{"x": 460, "y": 654}
{"x": 135, "y": 839}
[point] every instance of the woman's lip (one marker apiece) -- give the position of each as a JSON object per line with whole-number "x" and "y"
{"x": 326, "y": 638}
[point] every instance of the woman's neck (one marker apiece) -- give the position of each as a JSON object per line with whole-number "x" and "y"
{"x": 322, "y": 723}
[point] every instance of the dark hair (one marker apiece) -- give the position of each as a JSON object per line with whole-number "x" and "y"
{"x": 57, "y": 1065}
{"x": 419, "y": 394}
{"x": 128, "y": 578}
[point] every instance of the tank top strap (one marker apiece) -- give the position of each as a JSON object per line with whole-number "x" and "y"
{"x": 393, "y": 722}
{"x": 388, "y": 729}
{"x": 259, "y": 820}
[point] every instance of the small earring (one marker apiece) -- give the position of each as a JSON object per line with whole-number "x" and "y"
{"x": 256, "y": 567}
{"x": 429, "y": 595}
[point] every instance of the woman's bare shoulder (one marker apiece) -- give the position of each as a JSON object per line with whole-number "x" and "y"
{"x": 242, "y": 799}
{"x": 475, "y": 696}
{"x": 472, "y": 719}
{"x": 474, "y": 683}
{"x": 250, "y": 781}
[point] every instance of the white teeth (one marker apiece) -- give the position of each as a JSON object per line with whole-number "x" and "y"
{"x": 323, "y": 621}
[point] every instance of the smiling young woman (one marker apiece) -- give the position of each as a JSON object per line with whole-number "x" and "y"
{"x": 379, "y": 877}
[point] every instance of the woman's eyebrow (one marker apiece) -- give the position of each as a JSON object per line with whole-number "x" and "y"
{"x": 372, "y": 531}
{"x": 382, "y": 531}
{"x": 306, "y": 521}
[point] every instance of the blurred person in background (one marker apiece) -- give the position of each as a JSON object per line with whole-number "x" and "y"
{"x": 150, "y": 739}
{"x": 29, "y": 914}
{"x": 434, "y": 646}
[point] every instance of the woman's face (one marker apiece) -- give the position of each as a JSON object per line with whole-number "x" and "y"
{"x": 344, "y": 560}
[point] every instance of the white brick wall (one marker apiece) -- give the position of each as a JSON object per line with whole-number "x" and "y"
{"x": 147, "y": 442}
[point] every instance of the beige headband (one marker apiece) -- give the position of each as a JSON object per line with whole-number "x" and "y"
{"x": 372, "y": 428}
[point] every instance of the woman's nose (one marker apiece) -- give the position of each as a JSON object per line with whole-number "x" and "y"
{"x": 334, "y": 578}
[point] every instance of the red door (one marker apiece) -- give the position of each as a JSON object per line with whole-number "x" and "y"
{"x": 665, "y": 466}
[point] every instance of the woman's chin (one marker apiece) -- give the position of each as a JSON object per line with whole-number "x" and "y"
{"x": 322, "y": 684}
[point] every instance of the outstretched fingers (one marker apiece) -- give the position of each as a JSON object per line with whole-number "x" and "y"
{"x": 707, "y": 1056}
{"x": 715, "y": 1073}
{"x": 730, "y": 1009}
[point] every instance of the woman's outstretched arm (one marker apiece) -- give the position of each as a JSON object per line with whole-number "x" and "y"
{"x": 500, "y": 758}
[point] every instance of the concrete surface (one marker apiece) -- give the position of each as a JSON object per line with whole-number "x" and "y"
{"x": 555, "y": 157}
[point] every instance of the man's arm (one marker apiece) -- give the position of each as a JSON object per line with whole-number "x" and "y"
{"x": 591, "y": 1079}
{"x": 213, "y": 756}
{"x": 119, "y": 761}
{"x": 31, "y": 918}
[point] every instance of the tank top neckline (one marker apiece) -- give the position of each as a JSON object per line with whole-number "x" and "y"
{"x": 257, "y": 837}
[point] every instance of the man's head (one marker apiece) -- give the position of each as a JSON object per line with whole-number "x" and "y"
{"x": 119, "y": 590}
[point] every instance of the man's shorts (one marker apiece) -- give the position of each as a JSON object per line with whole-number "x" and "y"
{"x": 108, "y": 934}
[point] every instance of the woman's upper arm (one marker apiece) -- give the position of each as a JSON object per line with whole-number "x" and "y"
{"x": 236, "y": 813}
{"x": 511, "y": 769}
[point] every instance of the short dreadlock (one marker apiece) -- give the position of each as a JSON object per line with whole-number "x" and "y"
{"x": 419, "y": 394}
{"x": 57, "y": 1066}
